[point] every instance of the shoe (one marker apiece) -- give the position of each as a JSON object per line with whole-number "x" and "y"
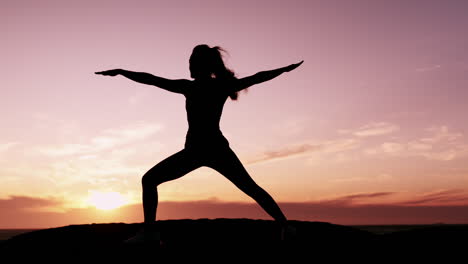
{"x": 144, "y": 237}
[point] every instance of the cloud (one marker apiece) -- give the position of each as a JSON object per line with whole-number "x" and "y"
{"x": 296, "y": 150}
{"x": 110, "y": 156}
{"x": 365, "y": 195}
{"x": 285, "y": 152}
{"x": 66, "y": 149}
{"x": 445, "y": 155}
{"x": 392, "y": 148}
{"x": 4, "y": 147}
{"x": 357, "y": 198}
{"x": 440, "y": 134}
{"x": 383, "y": 177}
{"x": 440, "y": 197}
{"x": 418, "y": 146}
{"x": 339, "y": 145}
{"x": 429, "y": 68}
{"x": 372, "y": 129}
{"x": 334, "y": 145}
{"x": 106, "y": 140}
{"x": 22, "y": 203}
{"x": 441, "y": 144}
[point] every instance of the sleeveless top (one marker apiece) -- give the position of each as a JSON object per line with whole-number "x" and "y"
{"x": 204, "y": 105}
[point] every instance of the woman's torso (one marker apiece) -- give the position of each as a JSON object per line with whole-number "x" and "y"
{"x": 204, "y": 105}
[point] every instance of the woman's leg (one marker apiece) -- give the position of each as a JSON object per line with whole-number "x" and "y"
{"x": 227, "y": 163}
{"x": 171, "y": 168}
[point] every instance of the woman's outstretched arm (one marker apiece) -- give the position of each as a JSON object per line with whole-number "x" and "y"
{"x": 264, "y": 76}
{"x": 176, "y": 86}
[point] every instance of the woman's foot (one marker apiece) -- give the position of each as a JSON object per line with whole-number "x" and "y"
{"x": 288, "y": 232}
{"x": 145, "y": 236}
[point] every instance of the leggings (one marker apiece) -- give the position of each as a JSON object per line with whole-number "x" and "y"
{"x": 220, "y": 158}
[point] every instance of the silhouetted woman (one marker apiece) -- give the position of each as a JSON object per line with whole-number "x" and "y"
{"x": 205, "y": 145}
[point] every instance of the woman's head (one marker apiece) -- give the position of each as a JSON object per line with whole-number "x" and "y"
{"x": 207, "y": 62}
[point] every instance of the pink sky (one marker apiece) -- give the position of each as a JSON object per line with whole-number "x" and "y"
{"x": 378, "y": 107}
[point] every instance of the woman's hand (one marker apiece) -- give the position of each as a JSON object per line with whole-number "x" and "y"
{"x": 110, "y": 72}
{"x": 292, "y": 66}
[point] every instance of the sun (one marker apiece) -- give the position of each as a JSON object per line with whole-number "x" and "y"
{"x": 106, "y": 200}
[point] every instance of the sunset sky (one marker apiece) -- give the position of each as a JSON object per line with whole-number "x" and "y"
{"x": 371, "y": 129}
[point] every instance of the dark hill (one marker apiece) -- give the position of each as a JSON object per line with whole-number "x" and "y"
{"x": 236, "y": 238}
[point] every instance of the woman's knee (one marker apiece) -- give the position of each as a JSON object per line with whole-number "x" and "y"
{"x": 151, "y": 179}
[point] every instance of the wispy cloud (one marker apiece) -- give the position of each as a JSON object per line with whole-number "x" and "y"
{"x": 106, "y": 140}
{"x": 436, "y": 197}
{"x": 440, "y": 134}
{"x": 391, "y": 147}
{"x": 296, "y": 150}
{"x": 429, "y": 68}
{"x": 4, "y": 147}
{"x": 382, "y": 177}
{"x": 29, "y": 203}
{"x": 285, "y": 152}
{"x": 372, "y": 129}
{"x": 339, "y": 145}
{"x": 441, "y": 144}
{"x": 356, "y": 198}
{"x": 449, "y": 196}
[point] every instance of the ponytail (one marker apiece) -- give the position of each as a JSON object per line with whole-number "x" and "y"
{"x": 220, "y": 71}
{"x": 206, "y": 60}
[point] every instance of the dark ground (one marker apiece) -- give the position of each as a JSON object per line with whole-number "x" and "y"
{"x": 225, "y": 240}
